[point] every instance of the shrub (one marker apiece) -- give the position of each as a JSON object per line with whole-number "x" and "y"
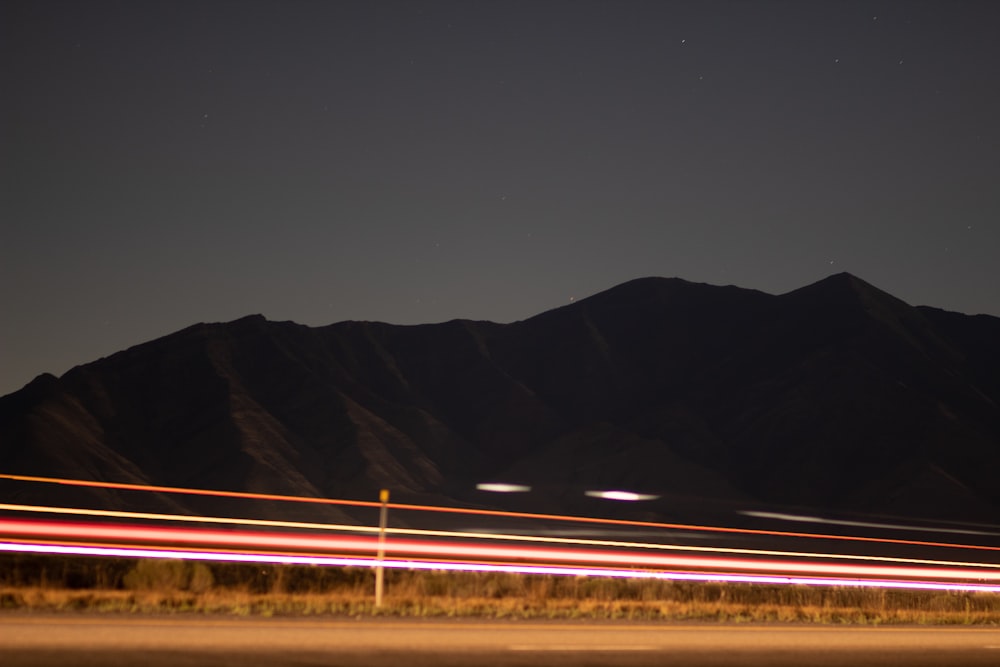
{"x": 169, "y": 575}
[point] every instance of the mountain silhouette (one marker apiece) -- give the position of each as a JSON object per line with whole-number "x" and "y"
{"x": 836, "y": 395}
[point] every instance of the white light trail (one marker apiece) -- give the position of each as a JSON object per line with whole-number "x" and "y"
{"x": 470, "y": 535}
{"x": 468, "y": 551}
{"x": 866, "y": 524}
{"x": 96, "y": 534}
{"x": 627, "y": 496}
{"x": 503, "y": 488}
{"x": 121, "y": 514}
{"x": 120, "y": 552}
{"x": 493, "y": 513}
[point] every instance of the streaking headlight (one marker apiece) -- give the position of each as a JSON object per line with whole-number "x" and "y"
{"x": 620, "y": 495}
{"x": 504, "y": 488}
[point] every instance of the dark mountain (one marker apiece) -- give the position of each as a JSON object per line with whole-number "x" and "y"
{"x": 836, "y": 396}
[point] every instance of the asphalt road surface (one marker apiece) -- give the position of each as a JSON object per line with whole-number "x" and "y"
{"x": 49, "y": 640}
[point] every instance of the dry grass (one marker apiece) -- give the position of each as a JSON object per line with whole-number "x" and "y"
{"x": 122, "y": 586}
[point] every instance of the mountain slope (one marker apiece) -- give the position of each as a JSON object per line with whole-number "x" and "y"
{"x": 836, "y": 395}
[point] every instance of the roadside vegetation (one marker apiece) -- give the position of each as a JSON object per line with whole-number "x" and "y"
{"x": 81, "y": 584}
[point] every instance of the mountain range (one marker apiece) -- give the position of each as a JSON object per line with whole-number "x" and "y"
{"x": 836, "y": 396}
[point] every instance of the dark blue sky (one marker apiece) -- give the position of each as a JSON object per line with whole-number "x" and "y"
{"x": 167, "y": 163}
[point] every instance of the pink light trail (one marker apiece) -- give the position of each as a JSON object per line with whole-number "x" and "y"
{"x": 313, "y": 544}
{"x": 494, "y": 513}
{"x": 477, "y": 552}
{"x": 123, "y": 552}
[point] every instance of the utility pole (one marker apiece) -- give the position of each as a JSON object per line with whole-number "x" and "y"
{"x": 383, "y": 497}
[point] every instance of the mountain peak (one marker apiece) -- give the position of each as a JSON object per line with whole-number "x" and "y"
{"x": 835, "y": 281}
{"x": 659, "y": 290}
{"x": 841, "y": 289}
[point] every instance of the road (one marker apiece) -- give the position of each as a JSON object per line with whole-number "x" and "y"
{"x": 50, "y": 640}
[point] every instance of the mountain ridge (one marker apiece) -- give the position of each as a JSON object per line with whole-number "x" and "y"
{"x": 835, "y": 395}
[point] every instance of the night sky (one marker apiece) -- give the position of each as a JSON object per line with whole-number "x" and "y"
{"x": 166, "y": 163}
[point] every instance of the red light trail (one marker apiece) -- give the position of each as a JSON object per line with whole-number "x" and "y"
{"x": 468, "y": 535}
{"x": 299, "y": 542}
{"x": 483, "y": 512}
{"x": 307, "y": 544}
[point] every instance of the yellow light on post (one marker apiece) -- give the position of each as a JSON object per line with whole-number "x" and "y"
{"x": 383, "y": 497}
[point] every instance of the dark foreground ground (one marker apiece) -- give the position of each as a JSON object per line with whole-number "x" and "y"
{"x": 50, "y": 640}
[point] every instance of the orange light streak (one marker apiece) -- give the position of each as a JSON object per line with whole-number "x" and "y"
{"x": 483, "y": 512}
{"x": 181, "y": 490}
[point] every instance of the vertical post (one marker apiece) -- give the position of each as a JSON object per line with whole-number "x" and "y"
{"x": 383, "y": 497}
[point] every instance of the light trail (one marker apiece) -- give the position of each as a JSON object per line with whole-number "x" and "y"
{"x": 485, "y": 565}
{"x": 121, "y": 486}
{"x": 469, "y": 535}
{"x": 593, "y": 570}
{"x": 866, "y": 524}
{"x": 124, "y": 552}
{"x": 189, "y": 518}
{"x": 130, "y": 533}
{"x": 554, "y": 557}
{"x": 495, "y": 513}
